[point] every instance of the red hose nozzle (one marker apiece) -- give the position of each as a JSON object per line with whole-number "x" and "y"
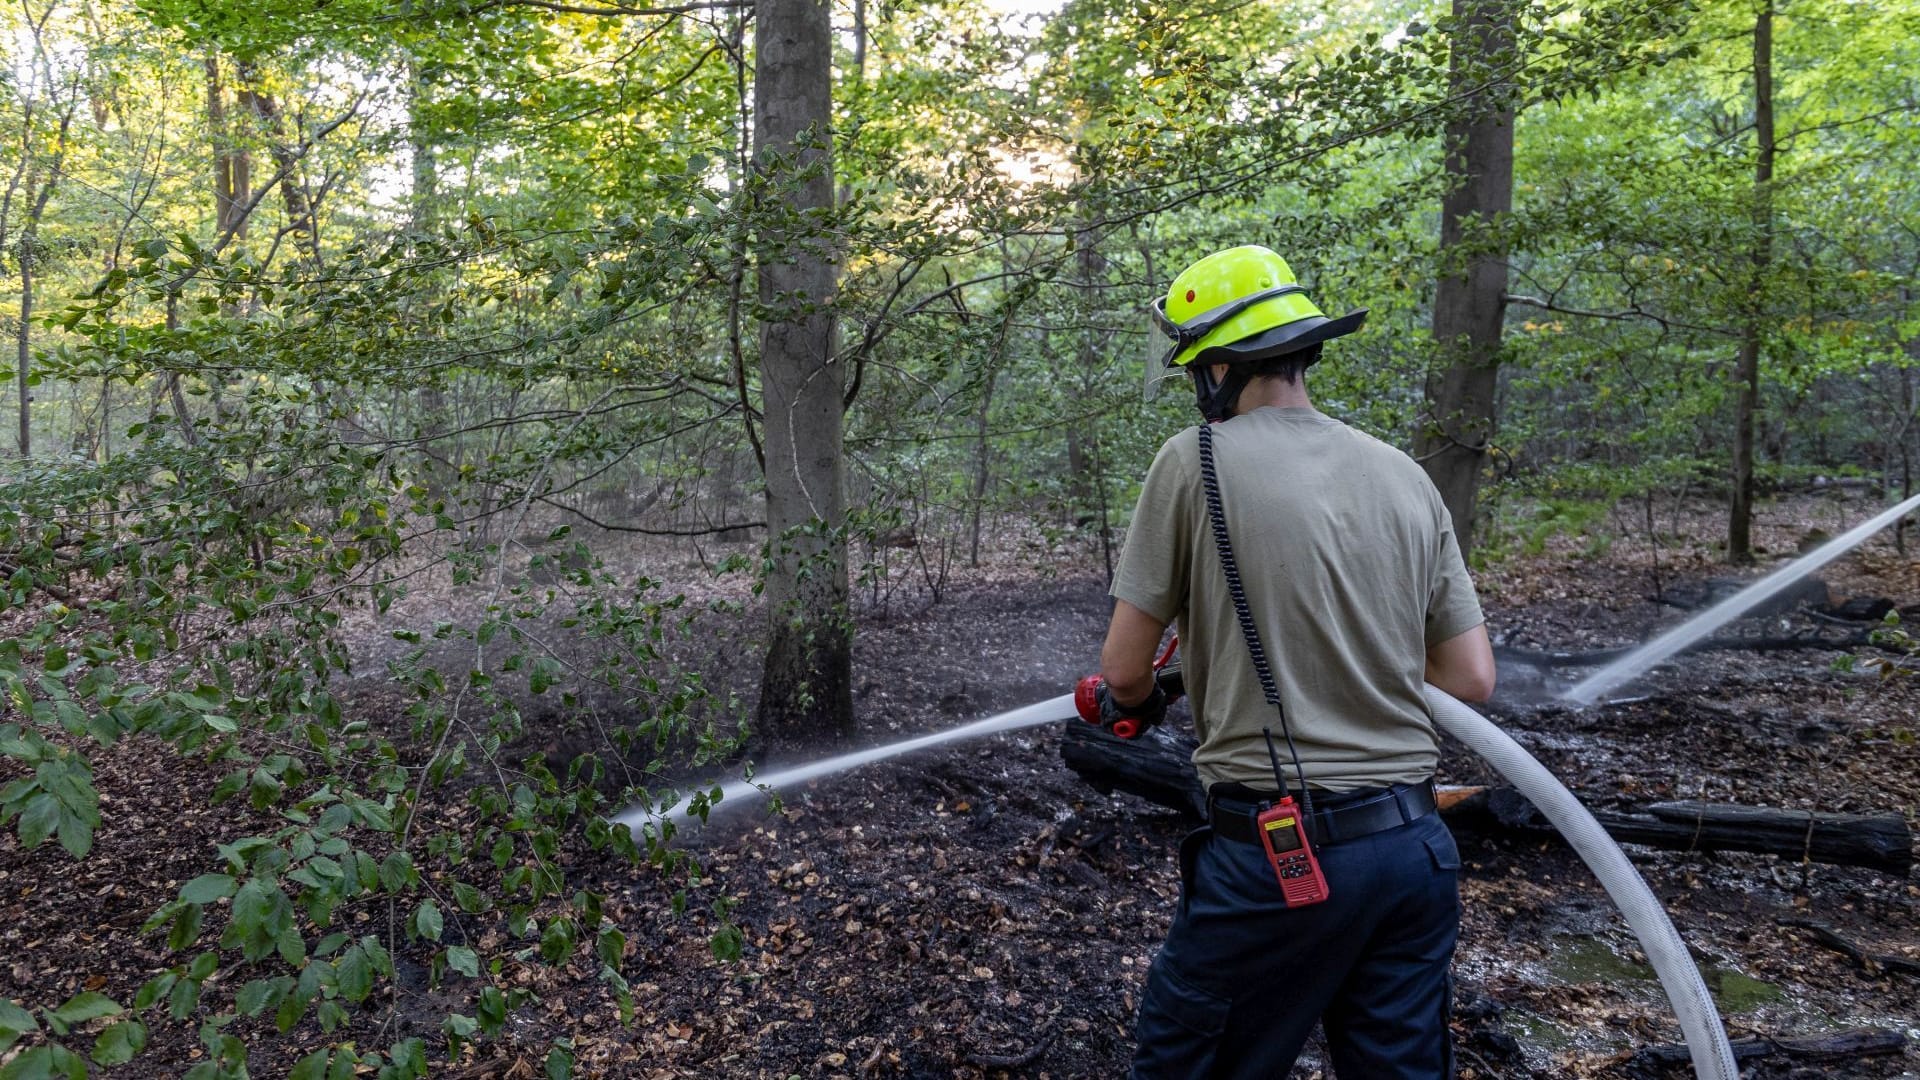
{"x": 1086, "y": 699}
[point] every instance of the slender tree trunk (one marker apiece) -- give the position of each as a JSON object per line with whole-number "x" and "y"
{"x": 232, "y": 167}
{"x": 1907, "y": 418}
{"x": 1079, "y": 477}
{"x": 739, "y": 257}
{"x": 301, "y": 220}
{"x": 1470, "y": 304}
{"x": 807, "y": 687}
{"x": 1747, "y": 370}
{"x": 982, "y": 458}
{"x": 28, "y": 249}
{"x": 232, "y": 190}
{"x": 175, "y": 393}
{"x": 25, "y": 355}
{"x": 860, "y": 40}
{"x": 1091, "y": 265}
{"x": 982, "y": 424}
{"x": 420, "y": 200}
{"x": 29, "y": 252}
{"x": 441, "y": 469}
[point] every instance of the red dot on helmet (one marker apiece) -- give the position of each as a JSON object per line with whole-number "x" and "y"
{"x": 1189, "y": 296}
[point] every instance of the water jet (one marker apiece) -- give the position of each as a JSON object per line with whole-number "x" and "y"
{"x": 1636, "y": 663}
{"x": 738, "y": 792}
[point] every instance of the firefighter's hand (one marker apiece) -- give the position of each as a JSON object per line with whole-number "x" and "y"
{"x": 1131, "y": 721}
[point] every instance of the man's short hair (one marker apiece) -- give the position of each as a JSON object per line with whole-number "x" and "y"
{"x": 1287, "y": 366}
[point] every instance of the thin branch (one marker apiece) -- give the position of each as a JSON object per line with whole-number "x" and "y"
{"x": 614, "y": 10}
{"x": 598, "y": 524}
{"x": 1628, "y": 315}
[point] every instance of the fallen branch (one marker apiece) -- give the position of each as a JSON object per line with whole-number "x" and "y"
{"x": 1876, "y": 841}
{"x": 1872, "y": 963}
{"x": 1838, "y": 1046}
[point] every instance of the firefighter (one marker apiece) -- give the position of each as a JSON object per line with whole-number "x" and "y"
{"x": 1357, "y": 590}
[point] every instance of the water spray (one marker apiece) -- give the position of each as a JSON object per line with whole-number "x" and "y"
{"x": 740, "y": 791}
{"x": 1624, "y": 670}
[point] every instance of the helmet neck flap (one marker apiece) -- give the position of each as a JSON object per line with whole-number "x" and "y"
{"x": 1217, "y": 398}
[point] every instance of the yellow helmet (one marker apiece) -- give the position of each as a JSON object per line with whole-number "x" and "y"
{"x": 1240, "y": 305}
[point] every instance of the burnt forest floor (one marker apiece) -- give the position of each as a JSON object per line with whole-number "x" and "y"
{"x": 976, "y": 911}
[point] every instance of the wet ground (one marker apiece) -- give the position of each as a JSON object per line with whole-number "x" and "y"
{"x": 976, "y": 911}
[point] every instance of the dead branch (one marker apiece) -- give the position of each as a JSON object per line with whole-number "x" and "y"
{"x": 1872, "y": 963}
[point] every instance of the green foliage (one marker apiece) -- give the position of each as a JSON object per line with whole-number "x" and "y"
{"x": 519, "y": 305}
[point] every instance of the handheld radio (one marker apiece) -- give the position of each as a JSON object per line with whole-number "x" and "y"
{"x": 1283, "y": 834}
{"x": 1282, "y": 826}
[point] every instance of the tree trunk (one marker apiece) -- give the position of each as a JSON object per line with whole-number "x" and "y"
{"x": 1157, "y": 766}
{"x": 25, "y": 372}
{"x": 982, "y": 454}
{"x": 29, "y": 241}
{"x": 1079, "y": 477}
{"x": 1469, "y": 303}
{"x": 302, "y": 224}
{"x": 1907, "y": 418}
{"x": 1747, "y": 369}
{"x": 29, "y": 252}
{"x": 806, "y": 690}
{"x": 420, "y": 154}
{"x": 232, "y": 167}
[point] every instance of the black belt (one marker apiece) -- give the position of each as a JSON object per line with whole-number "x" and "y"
{"x": 1351, "y": 815}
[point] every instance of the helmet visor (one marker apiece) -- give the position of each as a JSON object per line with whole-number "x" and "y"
{"x": 1155, "y": 368}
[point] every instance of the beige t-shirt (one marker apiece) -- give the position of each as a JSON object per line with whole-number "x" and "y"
{"x": 1351, "y": 571}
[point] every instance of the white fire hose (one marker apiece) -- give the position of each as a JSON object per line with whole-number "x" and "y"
{"x": 1706, "y": 1036}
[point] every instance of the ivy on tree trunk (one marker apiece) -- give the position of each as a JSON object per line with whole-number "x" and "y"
{"x": 806, "y": 690}
{"x": 1469, "y": 303}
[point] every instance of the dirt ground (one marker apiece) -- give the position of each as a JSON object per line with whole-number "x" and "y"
{"x": 977, "y": 911}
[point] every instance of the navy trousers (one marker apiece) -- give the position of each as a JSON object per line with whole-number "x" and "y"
{"x": 1242, "y": 978}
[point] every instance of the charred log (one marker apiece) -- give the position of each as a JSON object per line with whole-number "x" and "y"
{"x": 1838, "y": 1046}
{"x": 1875, "y": 841}
{"x": 1158, "y": 767}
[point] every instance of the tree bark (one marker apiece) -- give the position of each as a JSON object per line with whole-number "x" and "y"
{"x": 1469, "y": 303}
{"x": 1157, "y": 766}
{"x": 1880, "y": 842}
{"x": 806, "y": 690}
{"x": 1747, "y": 368}
{"x": 24, "y": 340}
